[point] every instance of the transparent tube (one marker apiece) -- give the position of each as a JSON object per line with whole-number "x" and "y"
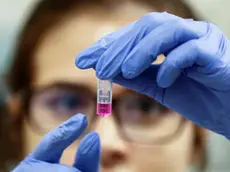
{"x": 104, "y": 98}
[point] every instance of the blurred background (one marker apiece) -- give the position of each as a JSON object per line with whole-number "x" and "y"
{"x": 13, "y": 14}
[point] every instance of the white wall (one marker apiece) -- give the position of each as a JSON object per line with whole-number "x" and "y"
{"x": 12, "y": 13}
{"x": 217, "y": 11}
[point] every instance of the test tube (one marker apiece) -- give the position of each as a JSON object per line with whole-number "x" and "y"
{"x": 104, "y": 98}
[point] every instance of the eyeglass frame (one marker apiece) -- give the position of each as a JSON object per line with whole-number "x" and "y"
{"x": 27, "y": 95}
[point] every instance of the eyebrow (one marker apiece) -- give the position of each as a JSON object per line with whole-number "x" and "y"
{"x": 84, "y": 88}
{"x": 67, "y": 86}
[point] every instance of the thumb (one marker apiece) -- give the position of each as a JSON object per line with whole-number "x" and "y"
{"x": 145, "y": 83}
{"x": 88, "y": 154}
{"x": 54, "y": 143}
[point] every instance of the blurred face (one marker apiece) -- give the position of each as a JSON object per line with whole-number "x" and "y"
{"x": 140, "y": 135}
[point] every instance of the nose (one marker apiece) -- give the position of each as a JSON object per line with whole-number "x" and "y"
{"x": 114, "y": 150}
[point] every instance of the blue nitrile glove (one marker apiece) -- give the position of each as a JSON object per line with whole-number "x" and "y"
{"x": 194, "y": 79}
{"x": 46, "y": 156}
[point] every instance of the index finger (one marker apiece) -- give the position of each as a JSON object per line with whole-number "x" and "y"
{"x": 54, "y": 143}
{"x": 88, "y": 57}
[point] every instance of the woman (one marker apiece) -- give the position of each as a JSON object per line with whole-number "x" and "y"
{"x": 47, "y": 89}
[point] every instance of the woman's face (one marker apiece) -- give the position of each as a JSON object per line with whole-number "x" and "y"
{"x": 131, "y": 136}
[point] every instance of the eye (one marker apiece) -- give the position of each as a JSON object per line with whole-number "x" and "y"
{"x": 143, "y": 110}
{"x": 51, "y": 106}
{"x": 147, "y": 106}
{"x": 143, "y": 105}
{"x": 69, "y": 102}
{"x": 65, "y": 103}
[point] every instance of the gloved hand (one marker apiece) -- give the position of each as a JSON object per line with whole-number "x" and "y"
{"x": 46, "y": 156}
{"x": 193, "y": 80}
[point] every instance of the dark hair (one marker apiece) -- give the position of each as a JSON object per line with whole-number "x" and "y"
{"x": 45, "y": 16}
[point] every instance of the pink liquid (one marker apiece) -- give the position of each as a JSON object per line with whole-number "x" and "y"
{"x": 104, "y": 110}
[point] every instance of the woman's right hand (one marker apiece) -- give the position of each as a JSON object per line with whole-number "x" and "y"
{"x": 46, "y": 156}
